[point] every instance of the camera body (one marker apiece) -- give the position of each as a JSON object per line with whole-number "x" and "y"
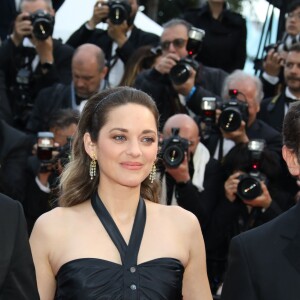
{"x": 42, "y": 23}
{"x": 173, "y": 149}
{"x": 180, "y": 73}
{"x": 233, "y": 112}
{"x": 48, "y": 154}
{"x": 119, "y": 11}
{"x": 249, "y": 186}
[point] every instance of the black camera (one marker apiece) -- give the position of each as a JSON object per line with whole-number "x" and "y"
{"x": 119, "y": 11}
{"x": 45, "y": 146}
{"x": 173, "y": 149}
{"x": 234, "y": 111}
{"x": 249, "y": 186}
{"x": 180, "y": 73}
{"x": 208, "y": 110}
{"x": 42, "y": 23}
{"x": 46, "y": 150}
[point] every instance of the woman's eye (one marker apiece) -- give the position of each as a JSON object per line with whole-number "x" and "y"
{"x": 148, "y": 140}
{"x": 119, "y": 138}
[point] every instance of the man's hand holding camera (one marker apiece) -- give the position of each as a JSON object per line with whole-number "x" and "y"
{"x": 231, "y": 189}
{"x": 238, "y": 136}
{"x": 22, "y": 28}
{"x": 273, "y": 63}
{"x": 118, "y": 32}
{"x": 166, "y": 63}
{"x": 181, "y": 173}
{"x": 100, "y": 13}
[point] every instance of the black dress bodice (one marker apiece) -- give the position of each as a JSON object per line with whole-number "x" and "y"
{"x": 93, "y": 278}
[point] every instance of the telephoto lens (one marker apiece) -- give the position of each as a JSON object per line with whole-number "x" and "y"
{"x": 43, "y": 24}
{"x": 173, "y": 149}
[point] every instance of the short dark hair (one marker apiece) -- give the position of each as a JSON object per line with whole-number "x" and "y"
{"x": 295, "y": 47}
{"x": 291, "y": 129}
{"x": 175, "y": 22}
{"x": 64, "y": 118}
{"x": 292, "y": 6}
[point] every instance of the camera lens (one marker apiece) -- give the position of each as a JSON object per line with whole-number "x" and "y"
{"x": 249, "y": 188}
{"x": 230, "y": 119}
{"x": 180, "y": 73}
{"x": 173, "y": 156}
{"x": 119, "y": 11}
{"x": 43, "y": 25}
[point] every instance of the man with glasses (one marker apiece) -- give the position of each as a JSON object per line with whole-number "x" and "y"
{"x": 179, "y": 98}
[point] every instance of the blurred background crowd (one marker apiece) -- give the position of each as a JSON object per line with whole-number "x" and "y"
{"x": 222, "y": 82}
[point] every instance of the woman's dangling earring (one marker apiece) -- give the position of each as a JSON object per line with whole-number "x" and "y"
{"x": 93, "y": 167}
{"x": 152, "y": 174}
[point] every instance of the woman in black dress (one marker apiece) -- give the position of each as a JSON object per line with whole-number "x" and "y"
{"x": 110, "y": 239}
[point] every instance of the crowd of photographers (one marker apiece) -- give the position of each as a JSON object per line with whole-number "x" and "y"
{"x": 220, "y": 152}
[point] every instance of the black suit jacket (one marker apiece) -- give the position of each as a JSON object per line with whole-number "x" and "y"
{"x": 258, "y": 130}
{"x": 17, "y": 273}
{"x": 100, "y": 38}
{"x": 272, "y": 111}
{"x": 48, "y": 102}
{"x": 264, "y": 263}
{"x": 14, "y": 149}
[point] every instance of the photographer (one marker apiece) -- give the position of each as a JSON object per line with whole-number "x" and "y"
{"x": 119, "y": 40}
{"x": 225, "y": 29}
{"x": 190, "y": 177}
{"x": 45, "y": 166}
{"x": 272, "y": 75}
{"x": 248, "y": 96}
{"x": 253, "y": 196}
{"x": 200, "y": 81}
{"x": 88, "y": 72}
{"x": 31, "y": 59}
{"x": 273, "y": 109}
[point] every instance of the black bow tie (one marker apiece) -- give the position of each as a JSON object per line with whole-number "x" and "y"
{"x": 290, "y": 100}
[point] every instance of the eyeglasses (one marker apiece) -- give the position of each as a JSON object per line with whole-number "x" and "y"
{"x": 291, "y": 15}
{"x": 177, "y": 43}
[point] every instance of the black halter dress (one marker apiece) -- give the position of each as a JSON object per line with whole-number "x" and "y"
{"x": 93, "y": 278}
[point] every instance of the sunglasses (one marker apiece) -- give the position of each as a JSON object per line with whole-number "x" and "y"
{"x": 177, "y": 43}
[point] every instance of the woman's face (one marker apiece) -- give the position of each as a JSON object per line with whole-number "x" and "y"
{"x": 127, "y": 145}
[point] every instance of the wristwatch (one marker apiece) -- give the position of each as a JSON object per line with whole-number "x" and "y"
{"x": 47, "y": 66}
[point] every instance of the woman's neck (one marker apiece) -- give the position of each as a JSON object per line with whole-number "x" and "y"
{"x": 121, "y": 202}
{"x": 216, "y": 9}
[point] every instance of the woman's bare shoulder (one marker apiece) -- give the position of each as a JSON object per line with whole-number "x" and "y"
{"x": 57, "y": 219}
{"x": 174, "y": 214}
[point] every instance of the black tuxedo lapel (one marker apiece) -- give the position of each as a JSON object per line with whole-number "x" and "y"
{"x": 292, "y": 251}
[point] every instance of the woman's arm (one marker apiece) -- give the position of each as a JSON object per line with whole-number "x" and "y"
{"x": 195, "y": 281}
{"x": 40, "y": 242}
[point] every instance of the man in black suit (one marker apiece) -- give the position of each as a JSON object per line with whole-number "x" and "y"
{"x": 32, "y": 61}
{"x": 273, "y": 109}
{"x": 17, "y": 273}
{"x": 14, "y": 149}
{"x": 88, "y": 73}
{"x": 264, "y": 262}
{"x": 120, "y": 39}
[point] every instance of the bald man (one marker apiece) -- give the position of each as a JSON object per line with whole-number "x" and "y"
{"x": 88, "y": 73}
{"x": 196, "y": 183}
